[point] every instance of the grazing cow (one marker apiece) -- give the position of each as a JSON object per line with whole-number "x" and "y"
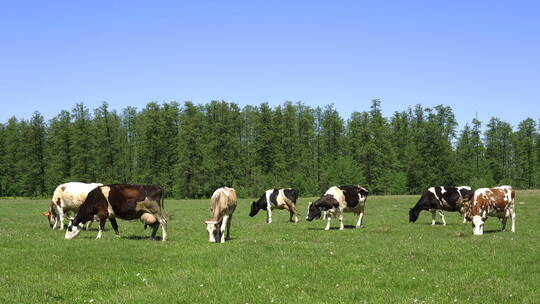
{"x": 222, "y": 208}
{"x": 323, "y": 213}
{"x": 437, "y": 199}
{"x": 337, "y": 200}
{"x": 498, "y": 201}
{"x": 126, "y": 202}
{"x": 67, "y": 198}
{"x": 276, "y": 199}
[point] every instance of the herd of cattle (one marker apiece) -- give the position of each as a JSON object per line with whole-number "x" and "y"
{"x": 90, "y": 202}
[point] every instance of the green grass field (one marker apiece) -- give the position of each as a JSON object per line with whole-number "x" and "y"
{"x": 388, "y": 261}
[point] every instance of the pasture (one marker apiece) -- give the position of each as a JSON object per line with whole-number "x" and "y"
{"x": 388, "y": 261}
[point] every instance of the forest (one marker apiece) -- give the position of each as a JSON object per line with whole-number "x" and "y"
{"x": 191, "y": 149}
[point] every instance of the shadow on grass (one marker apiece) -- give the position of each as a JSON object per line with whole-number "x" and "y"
{"x": 141, "y": 237}
{"x": 335, "y": 228}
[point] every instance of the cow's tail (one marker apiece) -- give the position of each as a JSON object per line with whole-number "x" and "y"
{"x": 162, "y": 205}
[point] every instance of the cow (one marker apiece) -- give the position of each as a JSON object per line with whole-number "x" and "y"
{"x": 127, "y": 202}
{"x": 67, "y": 198}
{"x": 442, "y": 198}
{"x": 339, "y": 199}
{"x": 276, "y": 199}
{"x": 223, "y": 204}
{"x": 323, "y": 213}
{"x": 498, "y": 201}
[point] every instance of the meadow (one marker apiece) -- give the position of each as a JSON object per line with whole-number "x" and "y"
{"x": 388, "y": 261}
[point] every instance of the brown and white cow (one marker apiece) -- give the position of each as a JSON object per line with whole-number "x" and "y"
{"x": 67, "y": 198}
{"x": 339, "y": 199}
{"x": 127, "y": 202}
{"x": 222, "y": 208}
{"x": 498, "y": 201}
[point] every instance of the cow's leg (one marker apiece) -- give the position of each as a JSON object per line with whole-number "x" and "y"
{"x": 432, "y": 217}
{"x": 464, "y": 219}
{"x": 155, "y": 227}
{"x": 328, "y": 219}
{"x": 293, "y": 212}
{"x": 360, "y": 216}
{"x": 513, "y": 211}
{"x": 441, "y": 213}
{"x": 224, "y": 222}
{"x": 269, "y": 215}
{"x": 61, "y": 217}
{"x": 228, "y": 237}
{"x": 359, "y": 223}
{"x": 163, "y": 223}
{"x": 114, "y": 225}
{"x": 340, "y": 217}
{"x": 102, "y": 220}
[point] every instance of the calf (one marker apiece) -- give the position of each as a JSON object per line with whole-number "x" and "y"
{"x": 437, "y": 199}
{"x": 127, "y": 202}
{"x": 67, "y": 198}
{"x": 498, "y": 201}
{"x": 276, "y": 199}
{"x": 222, "y": 209}
{"x": 337, "y": 200}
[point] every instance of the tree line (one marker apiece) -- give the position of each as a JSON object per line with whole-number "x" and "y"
{"x": 191, "y": 149}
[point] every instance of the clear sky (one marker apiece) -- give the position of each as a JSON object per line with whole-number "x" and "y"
{"x": 476, "y": 56}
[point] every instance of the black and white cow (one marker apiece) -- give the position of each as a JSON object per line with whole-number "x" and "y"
{"x": 276, "y": 199}
{"x": 437, "y": 199}
{"x": 339, "y": 199}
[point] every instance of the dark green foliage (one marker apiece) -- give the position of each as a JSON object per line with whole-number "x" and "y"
{"x": 190, "y": 150}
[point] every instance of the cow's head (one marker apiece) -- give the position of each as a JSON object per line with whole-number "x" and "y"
{"x": 478, "y": 225}
{"x": 413, "y": 215}
{"x": 73, "y": 230}
{"x": 254, "y": 209}
{"x": 51, "y": 215}
{"x": 314, "y": 212}
{"x": 214, "y": 233}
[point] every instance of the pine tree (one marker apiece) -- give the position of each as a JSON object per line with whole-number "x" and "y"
{"x": 192, "y": 175}
{"x": 498, "y": 138}
{"x": 525, "y": 158}
{"x": 3, "y": 177}
{"x": 34, "y": 159}
{"x": 57, "y": 151}
{"x": 223, "y": 129}
{"x": 107, "y": 146}
{"x": 129, "y": 142}
{"x": 12, "y": 157}
{"x": 81, "y": 145}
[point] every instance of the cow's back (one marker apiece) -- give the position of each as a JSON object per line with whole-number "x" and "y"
{"x": 131, "y": 201}
{"x": 73, "y": 194}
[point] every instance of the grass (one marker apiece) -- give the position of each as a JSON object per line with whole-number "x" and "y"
{"x": 388, "y": 261}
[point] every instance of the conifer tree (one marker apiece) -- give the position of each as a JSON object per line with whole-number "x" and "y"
{"x": 525, "y": 158}
{"x": 81, "y": 145}
{"x": 57, "y": 151}
{"x": 192, "y": 176}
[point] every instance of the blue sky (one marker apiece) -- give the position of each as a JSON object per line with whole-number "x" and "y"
{"x": 475, "y": 56}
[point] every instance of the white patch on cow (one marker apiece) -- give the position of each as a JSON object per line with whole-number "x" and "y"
{"x": 73, "y": 231}
{"x": 443, "y": 190}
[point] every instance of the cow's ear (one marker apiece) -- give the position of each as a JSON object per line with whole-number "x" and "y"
{"x": 45, "y": 213}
